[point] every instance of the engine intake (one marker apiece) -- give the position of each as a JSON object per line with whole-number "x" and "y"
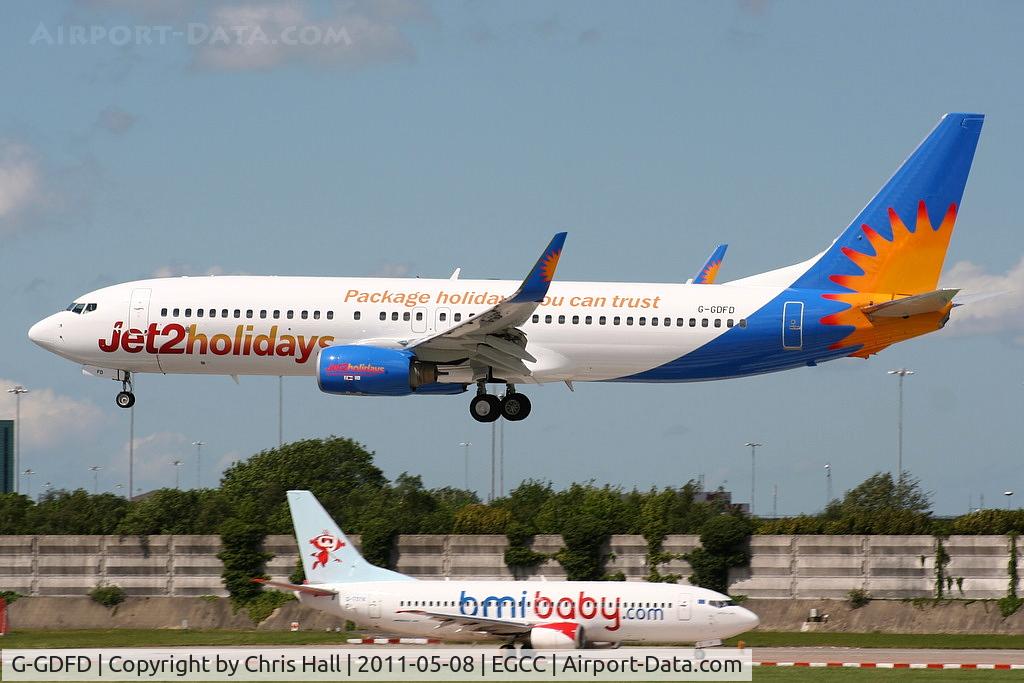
{"x": 557, "y": 636}
{"x": 371, "y": 371}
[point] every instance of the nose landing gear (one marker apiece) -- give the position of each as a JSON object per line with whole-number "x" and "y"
{"x": 125, "y": 398}
{"x": 485, "y": 407}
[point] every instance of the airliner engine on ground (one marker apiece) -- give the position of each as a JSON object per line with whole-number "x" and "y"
{"x": 539, "y": 614}
{"x": 874, "y": 286}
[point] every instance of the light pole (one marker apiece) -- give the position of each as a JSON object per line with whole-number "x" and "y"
{"x": 494, "y": 458}
{"x": 901, "y": 373}
{"x": 46, "y": 488}
{"x": 199, "y": 459}
{"x": 17, "y": 390}
{"x": 280, "y": 410}
{"x": 828, "y": 483}
{"x": 95, "y": 469}
{"x": 465, "y": 448}
{"x": 131, "y": 450}
{"x": 753, "y": 480}
{"x": 1008, "y": 495}
{"x": 28, "y": 475}
{"x": 177, "y": 473}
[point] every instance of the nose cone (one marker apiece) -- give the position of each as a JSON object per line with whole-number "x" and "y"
{"x": 749, "y": 619}
{"x": 44, "y": 333}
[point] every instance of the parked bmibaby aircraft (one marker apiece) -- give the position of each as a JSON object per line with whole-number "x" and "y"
{"x": 538, "y": 614}
{"x": 874, "y": 286}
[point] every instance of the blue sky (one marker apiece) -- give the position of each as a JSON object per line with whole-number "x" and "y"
{"x": 436, "y": 135}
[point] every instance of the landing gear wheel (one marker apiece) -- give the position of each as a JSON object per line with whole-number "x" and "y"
{"x": 125, "y": 399}
{"x": 515, "y": 407}
{"x": 485, "y": 408}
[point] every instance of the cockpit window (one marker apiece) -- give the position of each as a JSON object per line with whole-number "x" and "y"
{"x": 89, "y": 308}
{"x": 721, "y": 603}
{"x": 78, "y": 308}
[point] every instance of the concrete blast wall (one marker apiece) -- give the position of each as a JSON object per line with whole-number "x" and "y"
{"x": 780, "y": 567}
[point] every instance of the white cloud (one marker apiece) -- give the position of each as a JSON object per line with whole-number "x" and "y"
{"x": 49, "y": 419}
{"x": 263, "y": 35}
{"x": 20, "y": 180}
{"x": 1004, "y": 313}
{"x": 179, "y": 269}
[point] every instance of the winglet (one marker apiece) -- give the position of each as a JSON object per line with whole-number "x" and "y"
{"x": 535, "y": 286}
{"x": 709, "y": 272}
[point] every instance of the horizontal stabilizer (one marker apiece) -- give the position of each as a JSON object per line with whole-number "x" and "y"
{"x": 929, "y": 302}
{"x": 301, "y": 588}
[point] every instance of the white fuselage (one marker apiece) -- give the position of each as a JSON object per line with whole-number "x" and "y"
{"x": 608, "y": 611}
{"x": 248, "y": 325}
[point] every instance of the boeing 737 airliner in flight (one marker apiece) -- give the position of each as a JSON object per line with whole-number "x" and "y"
{"x": 875, "y": 285}
{"x": 538, "y": 614}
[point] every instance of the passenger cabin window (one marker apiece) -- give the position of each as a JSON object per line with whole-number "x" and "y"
{"x": 561, "y": 320}
{"x": 305, "y": 315}
{"x": 316, "y": 315}
{"x": 394, "y": 315}
{"x": 718, "y": 322}
{"x": 728, "y": 323}
{"x": 330, "y": 315}
{"x": 213, "y": 313}
{"x": 238, "y": 312}
{"x": 419, "y": 315}
{"x": 223, "y": 312}
{"x": 458, "y": 317}
{"x": 291, "y": 314}
{"x": 199, "y": 313}
{"x": 383, "y": 315}
{"x": 547, "y": 319}
{"x": 654, "y": 321}
{"x": 277, "y": 314}
{"x": 248, "y": 313}
{"x": 743, "y": 322}
{"x": 588, "y": 320}
{"x": 177, "y": 312}
{"x": 407, "y": 316}
{"x": 575, "y": 320}
{"x": 703, "y": 322}
{"x": 693, "y": 322}
{"x": 602, "y": 320}
{"x": 629, "y": 320}
{"x": 536, "y": 318}
{"x": 643, "y": 320}
{"x": 163, "y": 312}
{"x": 263, "y": 315}
{"x": 356, "y": 315}
{"x": 616, "y": 320}
{"x": 188, "y": 312}
{"x": 444, "y": 316}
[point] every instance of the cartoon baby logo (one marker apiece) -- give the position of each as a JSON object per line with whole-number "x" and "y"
{"x": 325, "y": 544}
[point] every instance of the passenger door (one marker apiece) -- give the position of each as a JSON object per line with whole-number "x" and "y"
{"x": 792, "y": 325}
{"x": 683, "y": 608}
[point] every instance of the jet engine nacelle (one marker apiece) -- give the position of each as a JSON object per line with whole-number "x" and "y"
{"x": 558, "y": 636}
{"x": 371, "y": 371}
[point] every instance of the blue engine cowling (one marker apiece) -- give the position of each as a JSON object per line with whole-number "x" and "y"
{"x": 372, "y": 371}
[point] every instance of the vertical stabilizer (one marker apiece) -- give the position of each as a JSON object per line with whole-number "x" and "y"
{"x": 327, "y": 554}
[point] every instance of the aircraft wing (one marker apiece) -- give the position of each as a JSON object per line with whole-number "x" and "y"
{"x": 492, "y": 338}
{"x": 709, "y": 271}
{"x": 464, "y": 622}
{"x": 300, "y": 587}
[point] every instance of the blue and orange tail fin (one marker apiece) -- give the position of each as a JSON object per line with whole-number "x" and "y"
{"x": 897, "y": 244}
{"x": 709, "y": 271}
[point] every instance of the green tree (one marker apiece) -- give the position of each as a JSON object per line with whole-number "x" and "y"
{"x": 172, "y": 511}
{"x": 339, "y": 472}
{"x": 723, "y": 545}
{"x": 77, "y": 512}
{"x": 15, "y": 510}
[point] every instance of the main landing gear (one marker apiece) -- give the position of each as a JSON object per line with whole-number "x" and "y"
{"x": 485, "y": 407}
{"x": 125, "y": 398}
